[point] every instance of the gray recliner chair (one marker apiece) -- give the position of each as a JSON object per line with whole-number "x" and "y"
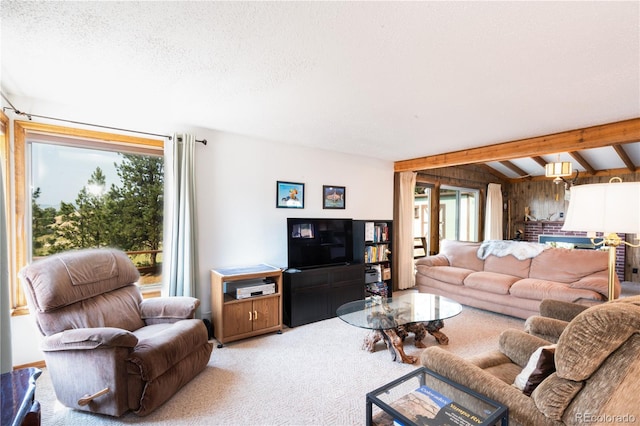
{"x": 107, "y": 350}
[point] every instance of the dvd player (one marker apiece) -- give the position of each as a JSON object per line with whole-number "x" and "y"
{"x": 244, "y": 289}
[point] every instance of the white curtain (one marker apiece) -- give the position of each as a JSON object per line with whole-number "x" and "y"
{"x": 404, "y": 251}
{"x": 179, "y": 272}
{"x": 493, "y": 213}
{"x": 5, "y": 319}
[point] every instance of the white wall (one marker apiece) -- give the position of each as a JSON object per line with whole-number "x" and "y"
{"x": 238, "y": 222}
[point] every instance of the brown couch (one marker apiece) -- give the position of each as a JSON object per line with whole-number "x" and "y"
{"x": 474, "y": 275}
{"x": 553, "y": 319}
{"x": 597, "y": 363}
{"x": 107, "y": 350}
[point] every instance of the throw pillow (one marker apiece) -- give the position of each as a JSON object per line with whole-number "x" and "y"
{"x": 541, "y": 364}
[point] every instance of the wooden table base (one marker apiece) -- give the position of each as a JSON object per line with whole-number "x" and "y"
{"x": 394, "y": 338}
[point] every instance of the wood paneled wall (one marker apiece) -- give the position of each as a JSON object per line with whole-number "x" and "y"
{"x": 544, "y": 197}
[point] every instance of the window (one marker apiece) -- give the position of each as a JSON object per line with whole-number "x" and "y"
{"x": 79, "y": 188}
{"x": 459, "y": 214}
{"x": 422, "y": 213}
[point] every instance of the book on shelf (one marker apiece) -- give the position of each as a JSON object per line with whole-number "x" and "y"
{"x": 369, "y": 231}
{"x": 376, "y": 232}
{"x": 382, "y": 232}
{"x": 424, "y": 406}
{"x": 378, "y": 253}
{"x": 379, "y": 289}
{"x": 378, "y": 270}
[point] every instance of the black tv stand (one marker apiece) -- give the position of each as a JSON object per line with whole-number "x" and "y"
{"x": 311, "y": 295}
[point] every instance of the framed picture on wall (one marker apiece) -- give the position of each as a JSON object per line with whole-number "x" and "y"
{"x": 289, "y": 195}
{"x": 333, "y": 197}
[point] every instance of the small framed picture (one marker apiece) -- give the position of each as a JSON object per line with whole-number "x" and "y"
{"x": 333, "y": 197}
{"x": 289, "y": 195}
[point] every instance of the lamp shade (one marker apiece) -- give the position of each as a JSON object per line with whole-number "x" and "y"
{"x": 604, "y": 207}
{"x": 558, "y": 169}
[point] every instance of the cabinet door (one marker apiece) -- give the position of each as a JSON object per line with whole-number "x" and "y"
{"x": 265, "y": 313}
{"x": 238, "y": 318}
{"x": 346, "y": 292}
{"x": 309, "y": 304}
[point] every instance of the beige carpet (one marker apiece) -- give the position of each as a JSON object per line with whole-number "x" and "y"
{"x": 310, "y": 375}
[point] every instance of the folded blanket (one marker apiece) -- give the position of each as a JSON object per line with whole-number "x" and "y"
{"x": 519, "y": 249}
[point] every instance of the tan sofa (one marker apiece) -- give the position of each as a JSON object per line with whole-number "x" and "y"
{"x": 493, "y": 280}
{"x": 107, "y": 350}
{"x": 599, "y": 388}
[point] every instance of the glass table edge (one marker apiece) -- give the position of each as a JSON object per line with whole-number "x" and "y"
{"x": 501, "y": 411}
{"x": 363, "y": 302}
{"x": 396, "y": 325}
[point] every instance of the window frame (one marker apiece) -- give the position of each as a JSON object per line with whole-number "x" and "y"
{"x": 19, "y": 257}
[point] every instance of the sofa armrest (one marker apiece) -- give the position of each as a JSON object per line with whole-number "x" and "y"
{"x": 558, "y": 309}
{"x": 521, "y": 407}
{"x": 89, "y": 338}
{"x": 168, "y": 309}
{"x": 518, "y": 345}
{"x": 546, "y": 328}
{"x": 434, "y": 260}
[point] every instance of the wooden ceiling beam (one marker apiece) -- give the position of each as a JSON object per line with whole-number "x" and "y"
{"x": 584, "y": 163}
{"x": 517, "y": 170}
{"x": 494, "y": 172}
{"x": 541, "y": 161}
{"x": 574, "y": 140}
{"x": 625, "y": 158}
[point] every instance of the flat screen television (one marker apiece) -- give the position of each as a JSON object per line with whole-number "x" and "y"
{"x": 313, "y": 243}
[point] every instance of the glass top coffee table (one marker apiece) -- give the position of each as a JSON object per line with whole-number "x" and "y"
{"x": 392, "y": 319}
{"x": 424, "y": 397}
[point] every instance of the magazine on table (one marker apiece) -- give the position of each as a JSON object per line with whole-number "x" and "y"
{"x": 426, "y": 407}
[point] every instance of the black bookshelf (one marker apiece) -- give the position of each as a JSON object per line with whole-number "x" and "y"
{"x": 372, "y": 248}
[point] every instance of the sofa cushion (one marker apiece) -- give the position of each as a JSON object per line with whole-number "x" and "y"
{"x": 554, "y": 394}
{"x": 462, "y": 254}
{"x": 117, "y": 309}
{"x": 162, "y": 346}
{"x": 447, "y": 274}
{"x": 168, "y": 309}
{"x": 598, "y": 282}
{"x": 434, "y": 260}
{"x": 567, "y": 266}
{"x": 490, "y": 282}
{"x": 597, "y": 331}
{"x": 537, "y": 289}
{"x": 58, "y": 281}
{"x": 507, "y": 265}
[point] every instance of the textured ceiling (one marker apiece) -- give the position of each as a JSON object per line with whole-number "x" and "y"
{"x": 394, "y": 80}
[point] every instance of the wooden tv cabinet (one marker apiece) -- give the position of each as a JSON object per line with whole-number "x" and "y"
{"x": 235, "y": 319}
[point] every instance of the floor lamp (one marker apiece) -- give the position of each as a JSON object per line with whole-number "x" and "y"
{"x": 607, "y": 208}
